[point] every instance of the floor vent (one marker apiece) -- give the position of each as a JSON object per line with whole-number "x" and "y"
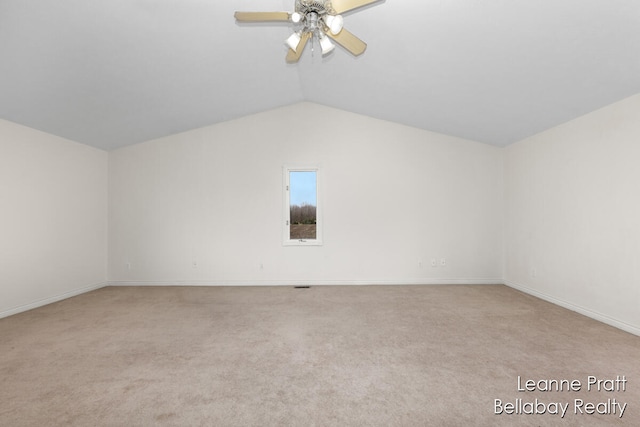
{"x": 301, "y": 287}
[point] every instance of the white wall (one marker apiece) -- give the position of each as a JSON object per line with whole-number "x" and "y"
{"x": 53, "y": 218}
{"x": 573, "y": 214}
{"x": 393, "y": 196}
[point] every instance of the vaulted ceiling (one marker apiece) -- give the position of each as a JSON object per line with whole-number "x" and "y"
{"x": 110, "y": 73}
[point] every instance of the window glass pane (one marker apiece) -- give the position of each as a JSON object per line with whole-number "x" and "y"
{"x": 302, "y": 204}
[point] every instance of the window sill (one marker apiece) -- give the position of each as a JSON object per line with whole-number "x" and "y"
{"x": 302, "y": 242}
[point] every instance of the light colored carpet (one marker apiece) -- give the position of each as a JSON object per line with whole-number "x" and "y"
{"x": 324, "y": 356}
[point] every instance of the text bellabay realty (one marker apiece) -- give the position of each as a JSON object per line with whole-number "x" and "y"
{"x": 610, "y": 406}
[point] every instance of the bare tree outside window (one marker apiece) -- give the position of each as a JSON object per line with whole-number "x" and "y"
{"x": 302, "y": 205}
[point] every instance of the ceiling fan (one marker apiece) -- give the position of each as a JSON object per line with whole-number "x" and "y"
{"x": 314, "y": 19}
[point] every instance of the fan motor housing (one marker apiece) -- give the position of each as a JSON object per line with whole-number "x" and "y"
{"x": 308, "y": 6}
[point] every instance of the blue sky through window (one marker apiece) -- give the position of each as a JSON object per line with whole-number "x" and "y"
{"x": 302, "y": 188}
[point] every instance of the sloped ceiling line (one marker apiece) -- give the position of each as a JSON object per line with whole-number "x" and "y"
{"x": 115, "y": 73}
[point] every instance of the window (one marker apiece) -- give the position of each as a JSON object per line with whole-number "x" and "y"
{"x": 302, "y": 220}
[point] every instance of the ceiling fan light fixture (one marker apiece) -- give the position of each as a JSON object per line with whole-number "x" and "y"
{"x": 335, "y": 23}
{"x": 293, "y": 41}
{"x": 311, "y": 20}
{"x": 326, "y": 44}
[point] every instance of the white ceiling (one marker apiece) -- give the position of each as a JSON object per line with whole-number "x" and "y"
{"x": 110, "y": 73}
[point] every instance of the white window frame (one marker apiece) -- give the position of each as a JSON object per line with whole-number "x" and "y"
{"x": 286, "y": 227}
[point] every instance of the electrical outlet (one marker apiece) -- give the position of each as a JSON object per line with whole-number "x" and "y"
{"x": 434, "y": 262}
{"x": 443, "y": 262}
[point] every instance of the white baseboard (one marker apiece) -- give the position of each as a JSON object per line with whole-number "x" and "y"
{"x": 578, "y": 309}
{"x": 52, "y": 299}
{"x": 489, "y": 281}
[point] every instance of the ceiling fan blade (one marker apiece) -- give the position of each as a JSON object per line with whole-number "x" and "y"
{"x": 294, "y": 55}
{"x": 350, "y": 42}
{"x": 261, "y": 16}
{"x": 341, "y": 6}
